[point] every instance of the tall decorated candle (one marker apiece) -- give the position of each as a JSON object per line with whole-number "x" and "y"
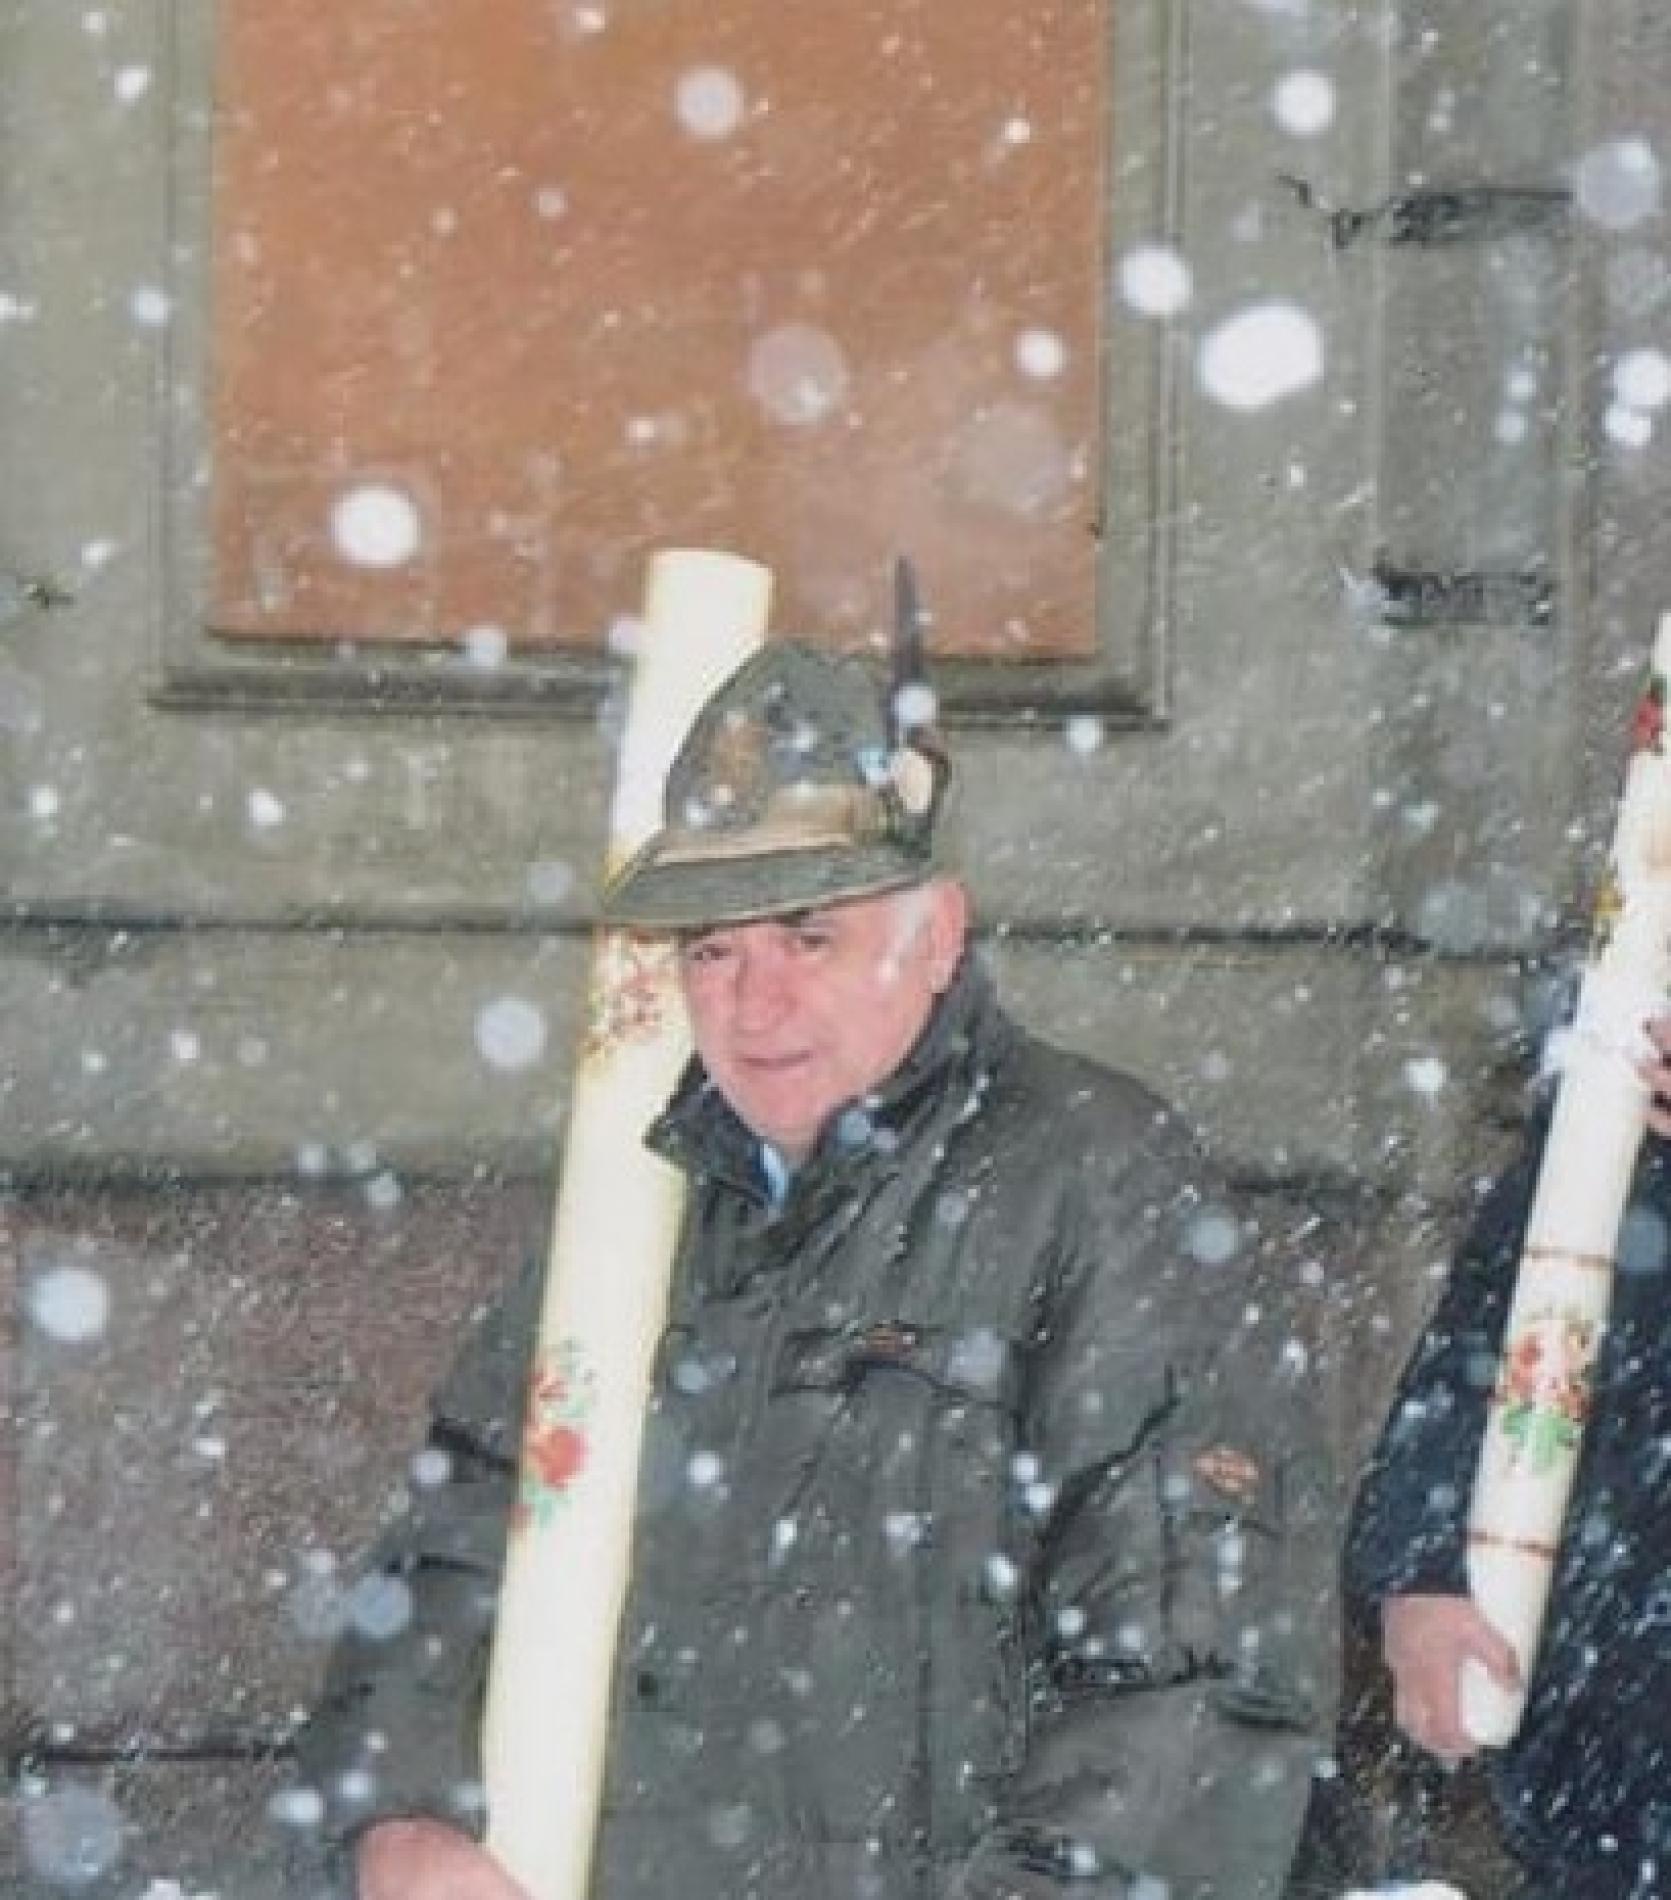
{"x": 617, "y": 1222}
{"x": 1558, "y": 1315}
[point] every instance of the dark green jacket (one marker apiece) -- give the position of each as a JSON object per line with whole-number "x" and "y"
{"x": 983, "y": 1546}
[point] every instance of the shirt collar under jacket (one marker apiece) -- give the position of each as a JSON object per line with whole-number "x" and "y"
{"x": 776, "y": 1172}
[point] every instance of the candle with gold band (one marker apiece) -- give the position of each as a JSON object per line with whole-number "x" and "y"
{"x": 618, "y": 1213}
{"x": 1535, "y": 1424}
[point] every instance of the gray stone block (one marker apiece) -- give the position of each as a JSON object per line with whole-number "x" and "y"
{"x": 198, "y": 1477}
{"x": 197, "y": 1830}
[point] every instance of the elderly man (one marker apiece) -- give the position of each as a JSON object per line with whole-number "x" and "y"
{"x": 982, "y": 1543}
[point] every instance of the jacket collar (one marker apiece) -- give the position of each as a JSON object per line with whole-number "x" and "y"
{"x": 967, "y": 1031}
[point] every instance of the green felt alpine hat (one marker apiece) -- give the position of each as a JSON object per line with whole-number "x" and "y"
{"x": 798, "y": 784}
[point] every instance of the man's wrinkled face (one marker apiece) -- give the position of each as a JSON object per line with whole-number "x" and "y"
{"x": 796, "y": 1017}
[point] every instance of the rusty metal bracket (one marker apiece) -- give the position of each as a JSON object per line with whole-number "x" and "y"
{"x": 1458, "y": 597}
{"x": 20, "y": 592}
{"x": 1439, "y": 214}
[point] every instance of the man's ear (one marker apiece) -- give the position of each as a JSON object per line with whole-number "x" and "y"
{"x": 948, "y": 930}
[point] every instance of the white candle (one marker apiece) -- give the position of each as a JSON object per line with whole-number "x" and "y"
{"x": 545, "y": 1728}
{"x": 1535, "y": 1424}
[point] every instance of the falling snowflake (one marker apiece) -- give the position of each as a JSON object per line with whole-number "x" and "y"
{"x": 1630, "y": 428}
{"x": 431, "y": 1468}
{"x": 265, "y": 809}
{"x": 297, "y": 1807}
{"x": 1213, "y": 1238}
{"x": 905, "y": 1530}
{"x": 730, "y": 1824}
{"x": 150, "y": 306}
{"x": 1304, "y": 104}
{"x": 380, "y": 1606}
{"x": 915, "y": 704}
{"x": 510, "y": 1033}
{"x": 709, "y": 101}
{"x": 485, "y": 646}
{"x": 1426, "y": 1075}
{"x": 1642, "y": 379}
{"x": 376, "y": 525}
{"x": 1261, "y": 356}
{"x": 70, "y": 1304}
{"x": 383, "y": 1191}
{"x": 1041, "y": 354}
{"x": 318, "y": 1607}
{"x": 1617, "y": 184}
{"x": 549, "y": 881}
{"x": 704, "y": 1470}
{"x": 1155, "y": 281}
{"x": 1421, "y": 1890}
{"x": 1453, "y": 916}
{"x": 798, "y": 374}
{"x": 1083, "y": 734}
{"x": 72, "y": 1834}
{"x": 1002, "y": 1577}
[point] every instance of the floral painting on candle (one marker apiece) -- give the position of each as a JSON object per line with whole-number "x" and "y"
{"x": 556, "y": 1441}
{"x": 1543, "y": 1390}
{"x": 633, "y": 992}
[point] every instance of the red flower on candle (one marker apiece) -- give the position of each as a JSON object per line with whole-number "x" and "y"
{"x": 1647, "y": 728}
{"x": 558, "y": 1455}
{"x": 634, "y": 983}
{"x": 555, "y": 1442}
{"x": 1524, "y": 1360}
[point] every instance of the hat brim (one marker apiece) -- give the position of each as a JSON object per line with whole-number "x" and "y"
{"x": 692, "y": 895}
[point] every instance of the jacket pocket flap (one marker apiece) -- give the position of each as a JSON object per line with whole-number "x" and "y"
{"x": 978, "y": 1367}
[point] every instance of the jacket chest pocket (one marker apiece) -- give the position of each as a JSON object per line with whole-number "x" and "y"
{"x": 873, "y": 1394}
{"x": 923, "y": 1479}
{"x": 973, "y": 1366}
{"x": 895, "y": 1577}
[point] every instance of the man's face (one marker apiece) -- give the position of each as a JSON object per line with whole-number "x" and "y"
{"x": 795, "y": 1017}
